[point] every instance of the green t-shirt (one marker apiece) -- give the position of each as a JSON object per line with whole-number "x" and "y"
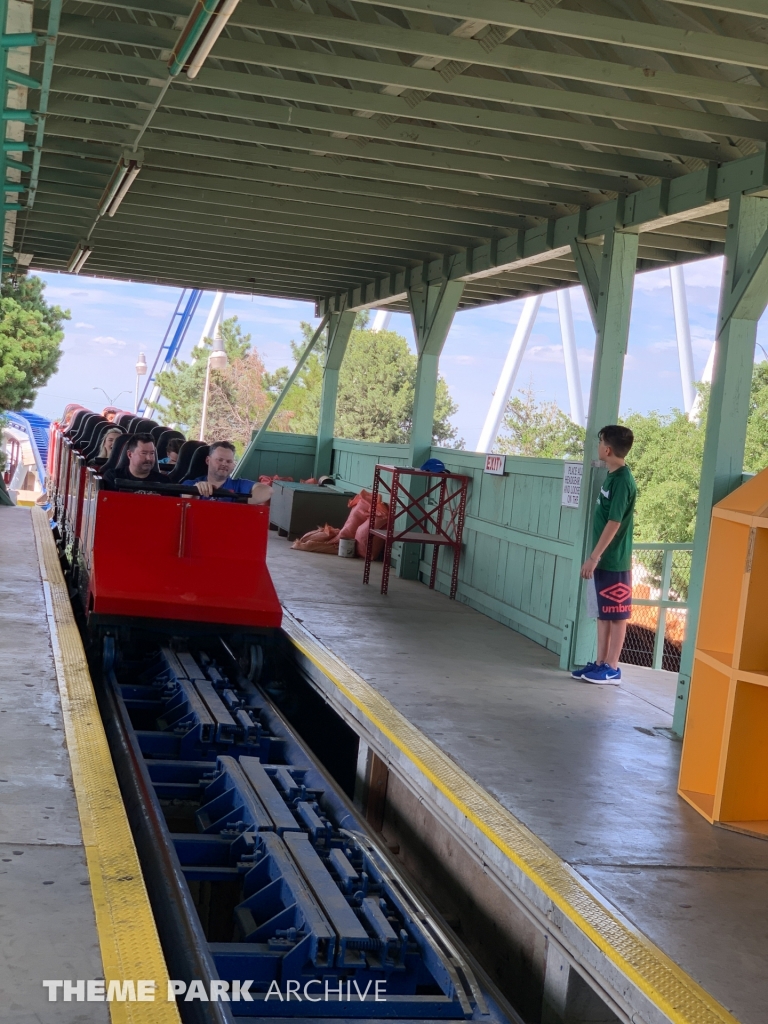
{"x": 616, "y": 503}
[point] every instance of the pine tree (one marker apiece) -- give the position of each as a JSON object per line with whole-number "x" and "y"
{"x": 30, "y": 342}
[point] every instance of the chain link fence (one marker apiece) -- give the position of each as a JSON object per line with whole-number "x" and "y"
{"x": 661, "y": 575}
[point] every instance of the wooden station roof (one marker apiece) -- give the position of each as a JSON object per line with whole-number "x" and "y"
{"x": 332, "y": 149}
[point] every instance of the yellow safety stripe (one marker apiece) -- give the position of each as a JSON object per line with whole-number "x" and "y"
{"x": 130, "y": 947}
{"x": 676, "y": 994}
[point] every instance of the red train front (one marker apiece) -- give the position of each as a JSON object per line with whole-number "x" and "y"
{"x": 167, "y": 560}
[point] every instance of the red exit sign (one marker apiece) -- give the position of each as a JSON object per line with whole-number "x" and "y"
{"x": 495, "y": 464}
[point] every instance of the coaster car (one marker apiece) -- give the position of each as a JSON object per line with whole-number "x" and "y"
{"x": 157, "y": 555}
{"x": 168, "y": 557}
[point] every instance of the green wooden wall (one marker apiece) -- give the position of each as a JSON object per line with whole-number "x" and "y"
{"x": 282, "y": 454}
{"x": 519, "y": 540}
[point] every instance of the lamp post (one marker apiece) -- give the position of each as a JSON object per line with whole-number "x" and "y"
{"x": 141, "y": 369}
{"x": 217, "y": 360}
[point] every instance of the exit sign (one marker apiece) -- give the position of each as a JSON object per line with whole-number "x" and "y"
{"x": 495, "y": 464}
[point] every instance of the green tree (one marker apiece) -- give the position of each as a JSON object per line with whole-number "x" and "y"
{"x": 376, "y": 388}
{"x": 238, "y": 397}
{"x": 30, "y": 342}
{"x": 666, "y": 463}
{"x": 756, "y": 449}
{"x": 538, "y": 429}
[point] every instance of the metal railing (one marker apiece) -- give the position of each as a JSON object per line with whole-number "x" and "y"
{"x": 660, "y": 578}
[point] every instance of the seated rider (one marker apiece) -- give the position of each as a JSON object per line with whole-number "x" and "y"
{"x": 108, "y": 442}
{"x": 141, "y": 465}
{"x": 172, "y": 454}
{"x": 221, "y": 463}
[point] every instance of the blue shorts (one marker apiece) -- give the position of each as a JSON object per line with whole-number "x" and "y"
{"x": 610, "y": 595}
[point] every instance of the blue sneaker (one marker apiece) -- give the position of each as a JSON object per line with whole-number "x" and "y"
{"x": 603, "y": 674}
{"x": 589, "y": 667}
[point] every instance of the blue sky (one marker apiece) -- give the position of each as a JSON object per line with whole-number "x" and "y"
{"x": 113, "y": 321}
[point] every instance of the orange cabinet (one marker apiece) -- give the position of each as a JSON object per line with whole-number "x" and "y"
{"x": 724, "y": 767}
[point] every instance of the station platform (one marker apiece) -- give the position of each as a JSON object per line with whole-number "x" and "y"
{"x": 72, "y": 901}
{"x": 567, "y": 788}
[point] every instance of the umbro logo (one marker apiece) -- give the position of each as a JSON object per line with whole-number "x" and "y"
{"x": 618, "y": 592}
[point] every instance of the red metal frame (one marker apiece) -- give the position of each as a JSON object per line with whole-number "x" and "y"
{"x": 442, "y": 525}
{"x": 162, "y": 558}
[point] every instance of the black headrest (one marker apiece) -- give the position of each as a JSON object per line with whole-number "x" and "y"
{"x": 156, "y": 432}
{"x": 180, "y": 471}
{"x": 76, "y": 420}
{"x": 163, "y": 439}
{"x": 79, "y": 432}
{"x": 197, "y": 466}
{"x": 86, "y": 434}
{"x": 117, "y": 451}
{"x": 124, "y": 418}
{"x": 141, "y": 426}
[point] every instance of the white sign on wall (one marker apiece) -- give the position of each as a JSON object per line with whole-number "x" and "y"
{"x": 572, "y": 472}
{"x": 495, "y": 464}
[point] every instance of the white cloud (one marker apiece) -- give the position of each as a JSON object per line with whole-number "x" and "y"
{"x": 106, "y": 339}
{"x": 652, "y": 281}
{"x": 545, "y": 353}
{"x": 704, "y": 274}
{"x": 82, "y": 324}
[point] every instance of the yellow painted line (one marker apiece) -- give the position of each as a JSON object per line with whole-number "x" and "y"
{"x": 673, "y": 991}
{"x": 130, "y": 947}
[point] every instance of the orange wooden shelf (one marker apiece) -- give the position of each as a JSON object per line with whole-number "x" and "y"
{"x": 724, "y": 766}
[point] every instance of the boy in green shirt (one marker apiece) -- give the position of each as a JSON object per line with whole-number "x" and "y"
{"x": 609, "y": 567}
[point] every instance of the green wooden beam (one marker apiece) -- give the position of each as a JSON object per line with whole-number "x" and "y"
{"x": 181, "y": 96}
{"x": 166, "y": 212}
{"x": 507, "y": 173}
{"x": 219, "y": 251}
{"x": 754, "y": 8}
{"x": 444, "y": 148}
{"x": 607, "y": 275}
{"x": 308, "y": 253}
{"x": 697, "y": 195}
{"x": 230, "y": 173}
{"x": 743, "y": 299}
{"x": 432, "y": 83}
{"x": 70, "y": 136}
{"x": 576, "y": 25}
{"x": 339, "y": 331}
{"x": 215, "y": 196}
{"x": 340, "y": 199}
{"x": 433, "y": 304}
{"x": 514, "y": 58}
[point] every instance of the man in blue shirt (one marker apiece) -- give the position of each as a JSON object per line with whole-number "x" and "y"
{"x": 221, "y": 463}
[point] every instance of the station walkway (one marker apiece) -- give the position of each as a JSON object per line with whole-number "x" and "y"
{"x": 590, "y": 770}
{"x": 47, "y": 922}
{"x": 70, "y": 908}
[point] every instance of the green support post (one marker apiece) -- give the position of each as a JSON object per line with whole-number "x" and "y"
{"x": 5, "y": 262}
{"x": 743, "y": 300}
{"x": 661, "y": 624}
{"x": 433, "y": 305}
{"x": 608, "y": 275}
{"x": 339, "y": 330}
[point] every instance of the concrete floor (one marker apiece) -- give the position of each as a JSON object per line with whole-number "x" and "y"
{"x": 585, "y": 767}
{"x": 47, "y": 924}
